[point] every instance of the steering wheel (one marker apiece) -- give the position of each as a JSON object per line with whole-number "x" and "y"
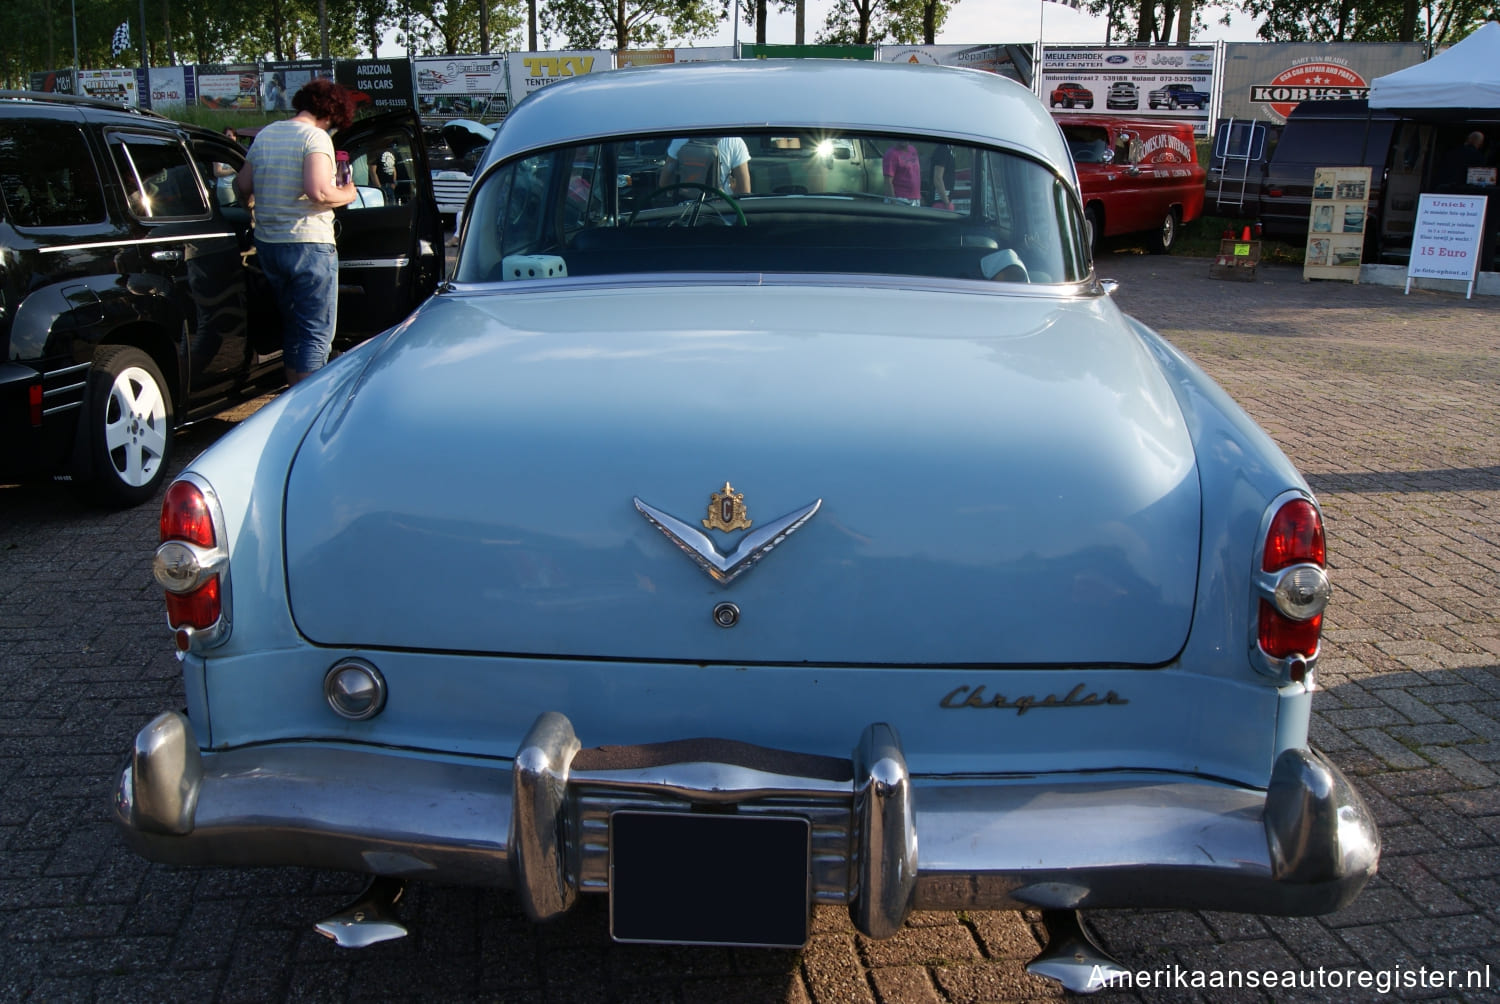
{"x": 705, "y": 192}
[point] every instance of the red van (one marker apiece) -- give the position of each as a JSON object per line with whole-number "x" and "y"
{"x": 1136, "y": 176}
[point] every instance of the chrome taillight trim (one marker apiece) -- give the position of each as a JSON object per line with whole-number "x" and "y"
{"x": 216, "y": 562}
{"x": 1263, "y": 587}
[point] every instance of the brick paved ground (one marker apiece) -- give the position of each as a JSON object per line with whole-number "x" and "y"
{"x": 1388, "y": 403}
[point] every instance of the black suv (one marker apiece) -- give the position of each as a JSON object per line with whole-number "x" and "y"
{"x": 131, "y": 301}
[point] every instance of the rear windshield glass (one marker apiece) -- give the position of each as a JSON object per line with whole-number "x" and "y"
{"x": 774, "y": 201}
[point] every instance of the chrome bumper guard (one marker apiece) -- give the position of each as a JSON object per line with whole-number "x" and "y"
{"x": 1307, "y": 845}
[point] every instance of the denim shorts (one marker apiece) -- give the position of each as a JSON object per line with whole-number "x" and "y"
{"x": 305, "y": 281}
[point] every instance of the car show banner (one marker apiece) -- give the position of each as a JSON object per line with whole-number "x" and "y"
{"x": 170, "y": 90}
{"x": 235, "y": 86}
{"x": 52, "y": 81}
{"x": 1013, "y": 61}
{"x": 461, "y": 87}
{"x": 750, "y": 50}
{"x": 1266, "y": 80}
{"x": 119, "y": 86}
{"x": 531, "y": 71}
{"x": 644, "y": 57}
{"x": 1336, "y": 223}
{"x": 280, "y": 81}
{"x": 1175, "y": 83}
{"x": 1446, "y": 242}
{"x": 386, "y": 83}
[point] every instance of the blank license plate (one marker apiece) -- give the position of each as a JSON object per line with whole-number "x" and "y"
{"x": 700, "y": 879}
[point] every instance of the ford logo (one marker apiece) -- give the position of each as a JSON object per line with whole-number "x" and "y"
{"x": 1117, "y": 59}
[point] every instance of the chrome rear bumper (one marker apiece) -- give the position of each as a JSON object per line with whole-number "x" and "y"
{"x": 884, "y": 842}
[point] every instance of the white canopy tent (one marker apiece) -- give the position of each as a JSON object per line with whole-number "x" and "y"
{"x": 1463, "y": 77}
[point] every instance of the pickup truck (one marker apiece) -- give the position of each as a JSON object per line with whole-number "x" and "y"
{"x": 1177, "y": 96}
{"x": 1135, "y": 176}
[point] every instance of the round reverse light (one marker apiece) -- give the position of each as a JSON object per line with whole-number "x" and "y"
{"x": 176, "y": 567}
{"x": 355, "y": 690}
{"x": 1302, "y": 592}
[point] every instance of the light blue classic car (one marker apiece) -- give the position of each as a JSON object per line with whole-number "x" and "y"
{"x": 774, "y": 510}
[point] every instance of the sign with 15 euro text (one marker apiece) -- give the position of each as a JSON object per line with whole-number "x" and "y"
{"x": 1445, "y": 244}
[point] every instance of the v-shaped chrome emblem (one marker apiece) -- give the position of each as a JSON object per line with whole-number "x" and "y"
{"x": 721, "y": 567}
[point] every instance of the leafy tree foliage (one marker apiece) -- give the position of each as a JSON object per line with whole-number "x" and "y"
{"x": 1370, "y": 20}
{"x": 626, "y": 24}
{"x": 866, "y": 22}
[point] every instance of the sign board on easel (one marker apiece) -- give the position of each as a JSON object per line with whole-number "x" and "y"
{"x": 1445, "y": 243}
{"x": 1336, "y": 223}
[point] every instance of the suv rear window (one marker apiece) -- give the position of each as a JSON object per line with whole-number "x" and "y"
{"x": 47, "y": 178}
{"x": 1331, "y": 141}
{"x": 160, "y": 181}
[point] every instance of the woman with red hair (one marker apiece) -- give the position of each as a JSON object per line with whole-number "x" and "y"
{"x": 289, "y": 175}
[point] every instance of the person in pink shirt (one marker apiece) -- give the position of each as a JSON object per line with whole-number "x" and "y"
{"x": 902, "y": 168}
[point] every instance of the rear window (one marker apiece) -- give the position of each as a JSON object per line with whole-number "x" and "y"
{"x": 47, "y": 178}
{"x": 774, "y": 200}
{"x": 1334, "y": 141}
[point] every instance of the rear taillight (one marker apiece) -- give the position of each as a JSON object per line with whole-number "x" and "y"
{"x": 191, "y": 564}
{"x": 34, "y": 405}
{"x": 1292, "y": 589}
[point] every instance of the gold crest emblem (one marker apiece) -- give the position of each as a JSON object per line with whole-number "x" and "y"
{"x": 726, "y": 510}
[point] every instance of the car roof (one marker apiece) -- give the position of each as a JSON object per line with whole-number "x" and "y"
{"x": 916, "y": 99}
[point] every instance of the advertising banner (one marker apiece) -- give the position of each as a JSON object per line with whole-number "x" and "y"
{"x": 1172, "y": 83}
{"x": 461, "y": 87}
{"x": 386, "y": 83}
{"x": 119, "y": 86}
{"x": 1336, "y": 223}
{"x": 1013, "y": 61}
{"x": 280, "y": 81}
{"x": 168, "y": 91}
{"x": 703, "y": 54}
{"x": 1266, "y": 80}
{"x": 749, "y": 50}
{"x": 531, "y": 71}
{"x": 52, "y": 81}
{"x": 1446, "y": 242}
{"x": 644, "y": 57}
{"x": 234, "y": 86}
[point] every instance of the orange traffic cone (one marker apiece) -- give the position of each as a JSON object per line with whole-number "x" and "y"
{"x": 1246, "y": 235}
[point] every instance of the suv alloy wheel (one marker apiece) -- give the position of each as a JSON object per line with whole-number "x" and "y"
{"x": 129, "y": 426}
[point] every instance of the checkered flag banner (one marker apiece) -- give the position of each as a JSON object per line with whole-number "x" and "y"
{"x": 121, "y": 41}
{"x": 1075, "y": 4}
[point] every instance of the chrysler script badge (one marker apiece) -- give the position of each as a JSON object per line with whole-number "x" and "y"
{"x": 726, "y": 512}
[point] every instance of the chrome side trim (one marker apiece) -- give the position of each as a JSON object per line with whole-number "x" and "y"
{"x": 724, "y": 569}
{"x": 64, "y": 371}
{"x": 179, "y": 239}
{"x": 62, "y": 408}
{"x": 400, "y": 262}
{"x": 538, "y": 837}
{"x": 67, "y": 388}
{"x": 886, "y": 865}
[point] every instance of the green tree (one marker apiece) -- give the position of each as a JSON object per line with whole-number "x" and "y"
{"x": 449, "y": 27}
{"x": 625, "y": 24}
{"x": 1441, "y": 22}
{"x": 866, "y": 22}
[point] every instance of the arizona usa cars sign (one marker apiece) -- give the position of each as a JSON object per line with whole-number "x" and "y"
{"x": 1266, "y": 81}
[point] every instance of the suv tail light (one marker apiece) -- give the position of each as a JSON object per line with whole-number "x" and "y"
{"x": 1292, "y": 589}
{"x": 192, "y": 565}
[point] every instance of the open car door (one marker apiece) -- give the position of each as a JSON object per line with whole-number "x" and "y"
{"x": 390, "y": 239}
